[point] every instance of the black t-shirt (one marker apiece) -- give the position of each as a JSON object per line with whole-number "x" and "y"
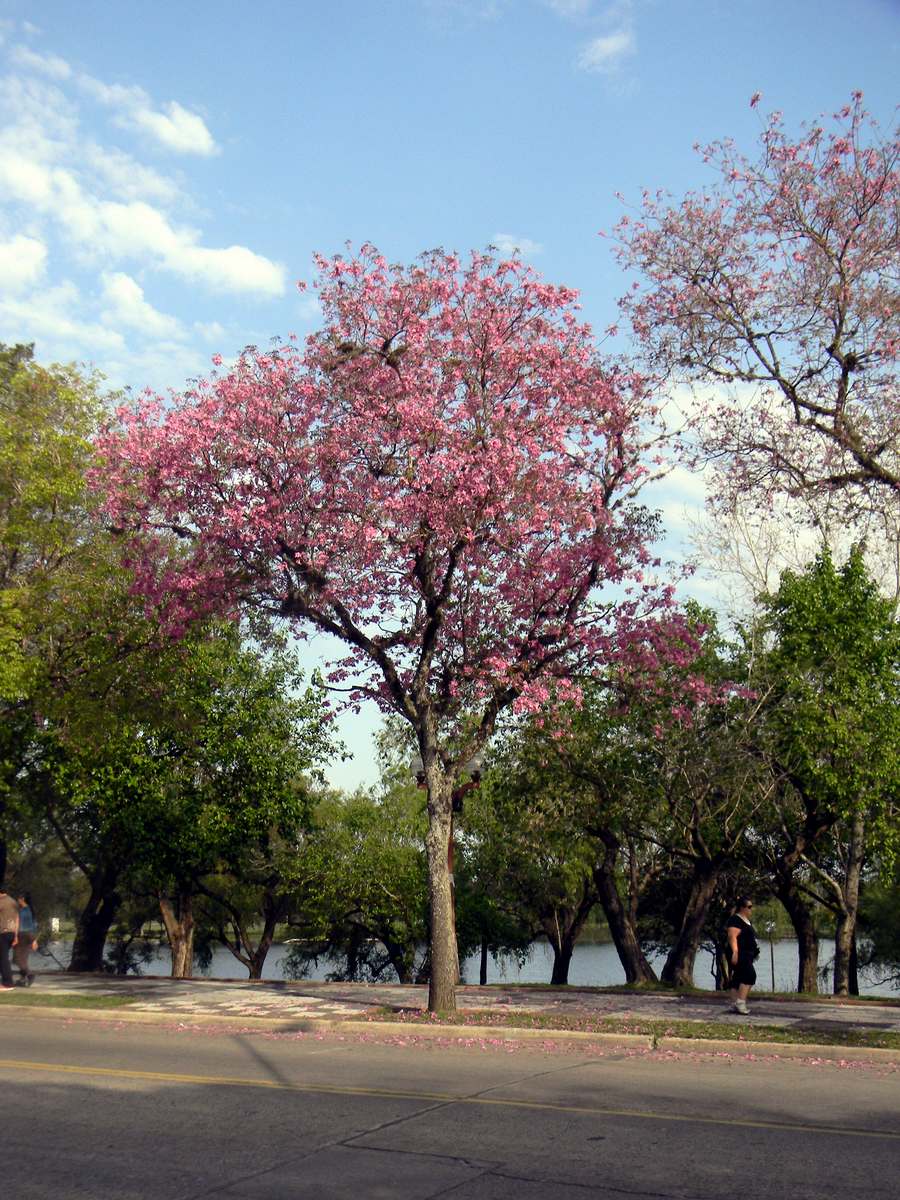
{"x": 747, "y": 946}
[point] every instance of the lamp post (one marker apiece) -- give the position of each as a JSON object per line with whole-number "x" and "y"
{"x": 770, "y": 929}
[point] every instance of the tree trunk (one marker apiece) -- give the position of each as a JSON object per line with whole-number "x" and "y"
{"x": 679, "y": 966}
{"x": 94, "y": 923}
{"x": 800, "y": 913}
{"x": 401, "y": 959}
{"x": 444, "y": 953}
{"x": 619, "y": 919}
{"x": 845, "y": 932}
{"x": 562, "y": 927}
{"x": 180, "y": 931}
{"x": 483, "y": 965}
{"x": 273, "y": 911}
{"x": 562, "y": 960}
{"x": 258, "y": 957}
{"x": 354, "y": 945}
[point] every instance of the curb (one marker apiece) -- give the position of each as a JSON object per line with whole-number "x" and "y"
{"x": 502, "y": 1033}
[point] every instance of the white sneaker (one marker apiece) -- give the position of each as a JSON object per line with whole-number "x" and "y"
{"x": 740, "y": 1006}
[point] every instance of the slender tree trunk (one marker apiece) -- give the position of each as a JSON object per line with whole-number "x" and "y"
{"x": 562, "y": 960}
{"x": 563, "y": 927}
{"x": 258, "y": 957}
{"x": 679, "y": 966}
{"x": 424, "y": 972}
{"x": 354, "y": 944}
{"x": 800, "y": 912}
{"x": 795, "y": 902}
{"x": 620, "y": 918}
{"x": 483, "y": 965}
{"x": 444, "y": 953}
{"x": 94, "y": 922}
{"x": 273, "y": 912}
{"x": 179, "y": 923}
{"x": 401, "y": 959}
{"x": 845, "y": 930}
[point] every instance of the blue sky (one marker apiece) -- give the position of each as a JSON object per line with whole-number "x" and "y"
{"x": 167, "y": 170}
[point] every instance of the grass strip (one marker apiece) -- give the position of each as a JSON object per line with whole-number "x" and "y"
{"x": 664, "y": 989}
{"x": 656, "y": 1029}
{"x": 19, "y": 996}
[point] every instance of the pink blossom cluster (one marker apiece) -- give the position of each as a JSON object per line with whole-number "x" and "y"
{"x": 443, "y": 478}
{"x": 777, "y": 289}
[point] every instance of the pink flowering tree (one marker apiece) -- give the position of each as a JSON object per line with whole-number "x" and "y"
{"x": 443, "y": 478}
{"x": 776, "y": 291}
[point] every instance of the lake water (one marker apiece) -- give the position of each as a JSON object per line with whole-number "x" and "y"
{"x": 593, "y": 964}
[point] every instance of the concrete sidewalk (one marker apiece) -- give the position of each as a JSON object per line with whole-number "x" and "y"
{"x": 310, "y": 1001}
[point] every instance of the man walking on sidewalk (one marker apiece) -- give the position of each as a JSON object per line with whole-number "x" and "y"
{"x": 9, "y": 928}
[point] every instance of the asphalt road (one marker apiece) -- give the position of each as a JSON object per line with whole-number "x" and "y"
{"x": 97, "y": 1111}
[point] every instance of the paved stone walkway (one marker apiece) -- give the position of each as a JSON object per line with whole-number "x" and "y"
{"x": 198, "y": 998}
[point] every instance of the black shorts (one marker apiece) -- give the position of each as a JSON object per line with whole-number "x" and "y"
{"x": 744, "y": 972}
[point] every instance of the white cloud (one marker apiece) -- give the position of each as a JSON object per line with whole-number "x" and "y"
{"x": 30, "y": 182}
{"x": 513, "y": 245}
{"x": 210, "y": 331}
{"x": 72, "y": 201}
{"x": 48, "y": 317}
{"x": 175, "y": 127}
{"x": 47, "y": 64}
{"x": 22, "y": 262}
{"x": 155, "y": 364}
{"x": 124, "y": 298}
{"x": 606, "y": 54}
{"x": 107, "y": 206}
{"x": 112, "y": 229}
{"x": 125, "y": 177}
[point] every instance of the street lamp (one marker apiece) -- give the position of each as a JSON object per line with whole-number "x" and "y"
{"x": 471, "y": 767}
{"x": 770, "y": 929}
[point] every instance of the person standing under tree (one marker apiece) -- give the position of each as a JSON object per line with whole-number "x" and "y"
{"x": 25, "y": 940}
{"x": 9, "y": 927}
{"x": 743, "y": 949}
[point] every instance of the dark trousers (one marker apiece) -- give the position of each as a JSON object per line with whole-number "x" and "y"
{"x": 6, "y": 941}
{"x": 22, "y": 952}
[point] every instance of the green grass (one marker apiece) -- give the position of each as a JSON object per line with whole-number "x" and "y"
{"x": 653, "y": 1029}
{"x": 664, "y": 989}
{"x": 62, "y": 999}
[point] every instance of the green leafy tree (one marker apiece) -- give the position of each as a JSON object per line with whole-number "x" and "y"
{"x": 880, "y": 928}
{"x": 528, "y": 858}
{"x": 833, "y": 732}
{"x": 363, "y": 885}
{"x": 47, "y": 416}
{"x": 195, "y": 786}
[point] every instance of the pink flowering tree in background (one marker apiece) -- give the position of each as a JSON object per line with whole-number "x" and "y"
{"x": 776, "y": 290}
{"x": 443, "y": 478}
